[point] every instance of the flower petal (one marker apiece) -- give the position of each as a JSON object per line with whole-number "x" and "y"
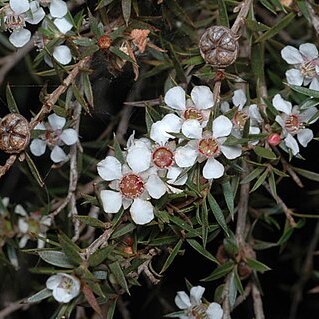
{"x": 213, "y": 169}
{"x": 280, "y": 121}
{"x": 53, "y": 281}
{"x": 62, "y": 295}
{"x": 111, "y": 201}
{"x": 185, "y": 156}
{"x": 196, "y": 294}
{"x": 62, "y": 54}
{"x": 202, "y": 97}
{"x": 58, "y": 8}
{"x": 292, "y": 144}
{"x": 291, "y": 55}
{"x": 182, "y": 300}
{"x": 294, "y": 77}
{"x": 139, "y": 158}
{"x": 142, "y": 211}
{"x": 222, "y": 126}
{"x": 308, "y": 50}
{"x": 192, "y": 129}
{"x": 57, "y": 122}
{"x": 69, "y": 136}
{"x": 239, "y": 99}
{"x": 37, "y": 13}
{"x": 20, "y": 38}
{"x": 155, "y": 186}
{"x": 37, "y": 147}
{"x": 308, "y": 115}
{"x": 110, "y": 168}
{"x": 19, "y": 6}
{"x": 305, "y": 136}
{"x": 63, "y": 25}
{"x": 224, "y": 107}
{"x": 58, "y": 155}
{"x": 173, "y": 123}
{"x": 231, "y": 152}
{"x": 214, "y": 311}
{"x": 175, "y": 98}
{"x": 314, "y": 85}
{"x": 254, "y": 113}
{"x": 173, "y": 174}
{"x": 281, "y": 105}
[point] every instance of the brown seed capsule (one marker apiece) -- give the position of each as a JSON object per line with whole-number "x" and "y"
{"x": 14, "y": 133}
{"x": 104, "y": 42}
{"x": 219, "y": 46}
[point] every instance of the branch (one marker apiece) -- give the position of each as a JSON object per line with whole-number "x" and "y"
{"x": 258, "y": 304}
{"x": 241, "y": 15}
{"x": 12, "y": 307}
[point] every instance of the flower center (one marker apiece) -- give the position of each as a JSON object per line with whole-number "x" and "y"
{"x": 131, "y": 186}
{"x": 193, "y": 114}
{"x": 163, "y": 157}
{"x": 293, "y": 124}
{"x": 199, "y": 312}
{"x": 67, "y": 284}
{"x": 240, "y": 118}
{"x": 52, "y": 137}
{"x": 14, "y": 22}
{"x": 308, "y": 69}
{"x": 209, "y": 147}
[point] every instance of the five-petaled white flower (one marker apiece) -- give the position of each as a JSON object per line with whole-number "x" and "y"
{"x": 196, "y": 108}
{"x": 33, "y": 223}
{"x": 53, "y": 136}
{"x": 64, "y": 287}
{"x": 293, "y": 121}
{"x": 207, "y": 145}
{"x": 193, "y": 306}
{"x": 306, "y": 65}
{"x": 132, "y": 185}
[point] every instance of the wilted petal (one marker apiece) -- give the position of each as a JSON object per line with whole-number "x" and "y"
{"x": 155, "y": 186}
{"x": 175, "y": 98}
{"x": 19, "y": 6}
{"x": 110, "y": 168}
{"x": 192, "y": 129}
{"x": 281, "y": 105}
{"x": 58, "y": 8}
{"x": 58, "y": 155}
{"x": 294, "y": 77}
{"x": 185, "y": 156}
{"x": 196, "y": 294}
{"x": 308, "y": 50}
{"x": 111, "y": 201}
{"x": 62, "y": 54}
{"x": 214, "y": 311}
{"x": 292, "y": 144}
{"x": 37, "y": 147}
{"x": 182, "y": 300}
{"x": 202, "y": 97}
{"x": 142, "y": 211}
{"x": 239, "y": 99}
{"x": 291, "y": 55}
{"x": 20, "y": 38}
{"x": 305, "y": 136}
{"x": 222, "y": 126}
{"x": 139, "y": 158}
{"x": 69, "y": 136}
{"x": 63, "y": 25}
{"x": 213, "y": 169}
{"x": 231, "y": 152}
{"x": 57, "y": 122}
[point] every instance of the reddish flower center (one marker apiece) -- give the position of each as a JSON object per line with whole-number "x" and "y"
{"x": 209, "y": 147}
{"x": 240, "y": 119}
{"x": 131, "y": 186}
{"x": 292, "y": 124}
{"x": 52, "y": 137}
{"x": 163, "y": 157}
{"x": 193, "y": 114}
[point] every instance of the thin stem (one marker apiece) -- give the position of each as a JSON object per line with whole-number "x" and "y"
{"x": 241, "y": 15}
{"x": 258, "y": 304}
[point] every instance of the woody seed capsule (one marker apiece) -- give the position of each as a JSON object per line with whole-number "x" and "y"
{"x": 219, "y": 46}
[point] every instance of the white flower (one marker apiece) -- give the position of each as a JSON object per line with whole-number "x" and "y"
{"x": 132, "y": 185}
{"x": 54, "y": 137}
{"x": 193, "y": 306}
{"x": 33, "y": 223}
{"x": 198, "y": 107}
{"x": 64, "y": 287}
{"x": 207, "y": 146}
{"x": 306, "y": 65}
{"x": 58, "y": 8}
{"x": 293, "y": 123}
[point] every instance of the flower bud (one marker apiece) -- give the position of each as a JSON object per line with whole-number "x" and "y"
{"x": 274, "y": 139}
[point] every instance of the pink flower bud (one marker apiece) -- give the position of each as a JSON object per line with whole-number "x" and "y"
{"x": 274, "y": 139}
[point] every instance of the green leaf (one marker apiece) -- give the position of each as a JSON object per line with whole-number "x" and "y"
{"x": 118, "y": 151}
{"x": 171, "y": 256}
{"x": 79, "y": 97}
{"x": 126, "y": 9}
{"x": 100, "y": 255}
{"x": 257, "y": 265}
{"x": 183, "y": 225}
{"x": 272, "y": 184}
{"x": 56, "y": 258}
{"x": 111, "y": 309}
{"x": 33, "y": 169}
{"x": 41, "y": 295}
{"x": 237, "y": 281}
{"x": 12, "y": 105}
{"x": 87, "y": 87}
{"x": 90, "y": 221}
{"x": 220, "y": 271}
{"x": 117, "y": 271}
{"x": 121, "y": 54}
{"x": 304, "y": 91}
{"x": 284, "y": 22}
{"x": 70, "y": 249}
{"x": 197, "y": 246}
{"x": 223, "y": 15}
{"x": 229, "y": 197}
{"x": 268, "y": 6}
{"x": 302, "y": 5}
{"x": 218, "y": 213}
{"x": 259, "y": 181}
{"x": 265, "y": 152}
{"x": 308, "y": 174}
{"x": 122, "y": 231}
{"x": 252, "y": 175}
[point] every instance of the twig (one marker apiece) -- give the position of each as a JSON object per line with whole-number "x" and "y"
{"x": 258, "y": 304}
{"x": 313, "y": 16}
{"x": 245, "y": 6}
{"x": 242, "y": 298}
{"x": 102, "y": 240}
{"x": 306, "y": 274}
{"x": 144, "y": 103}
{"x": 9, "y": 162}
{"x": 12, "y": 307}
{"x": 226, "y": 304}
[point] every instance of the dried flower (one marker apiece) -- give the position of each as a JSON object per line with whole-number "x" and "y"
{"x": 140, "y": 38}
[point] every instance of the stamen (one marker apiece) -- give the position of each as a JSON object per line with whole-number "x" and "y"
{"x": 209, "y": 147}
{"x": 131, "y": 186}
{"x": 163, "y": 157}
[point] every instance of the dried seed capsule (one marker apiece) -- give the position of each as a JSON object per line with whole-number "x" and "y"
{"x": 219, "y": 46}
{"x": 14, "y": 133}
